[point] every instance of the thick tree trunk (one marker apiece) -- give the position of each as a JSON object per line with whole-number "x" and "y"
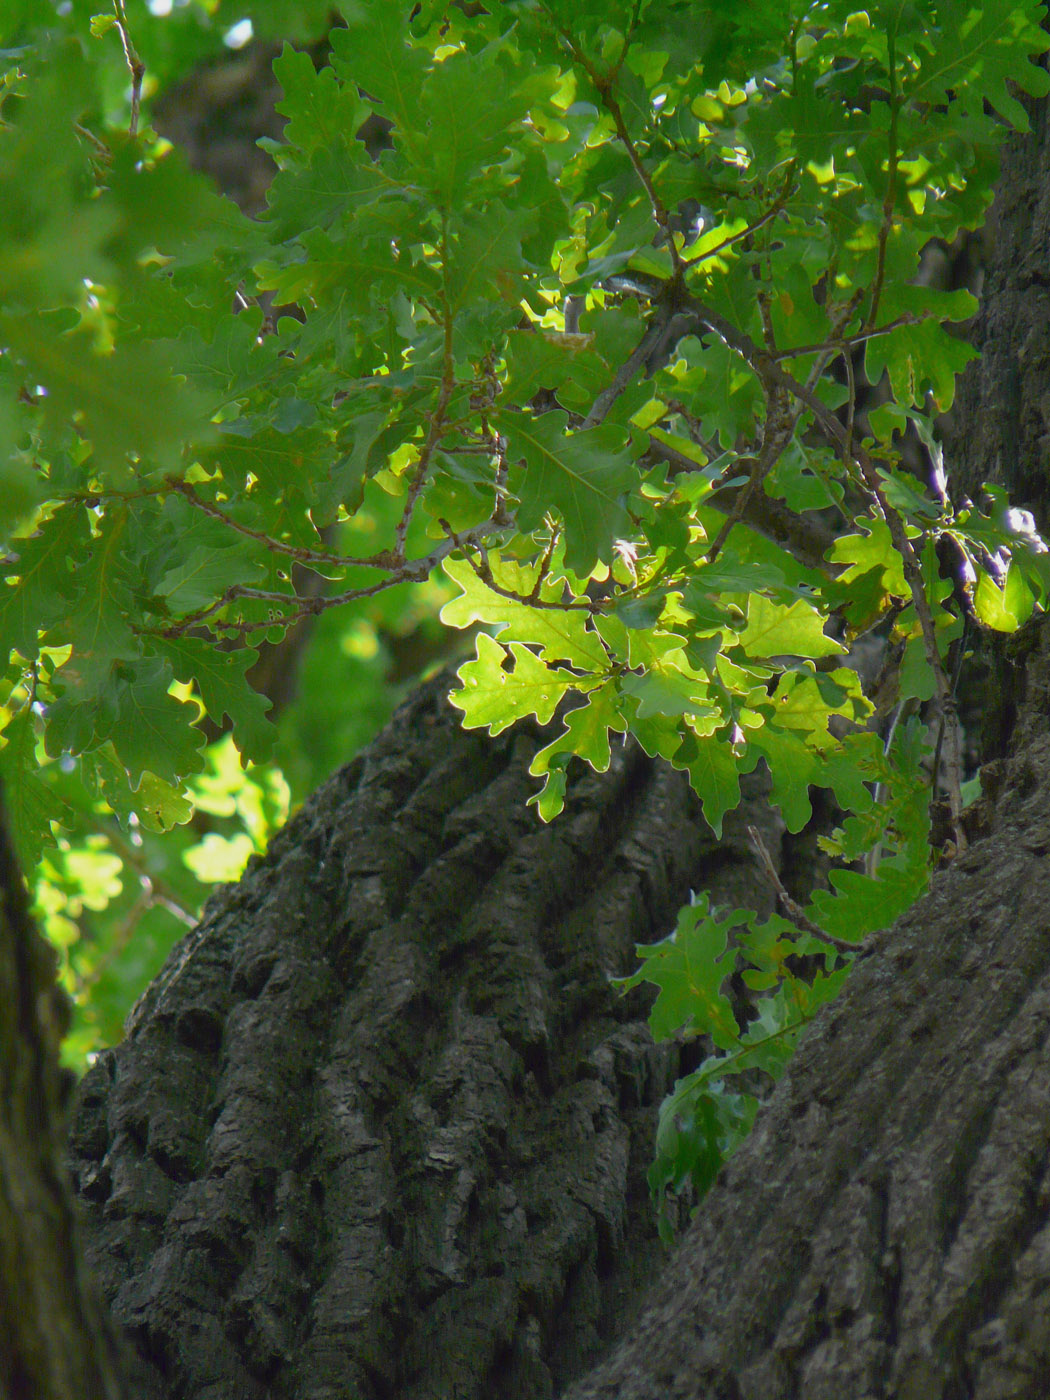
{"x": 885, "y": 1231}
{"x": 381, "y": 1125}
{"x": 55, "y": 1339}
{"x": 999, "y": 430}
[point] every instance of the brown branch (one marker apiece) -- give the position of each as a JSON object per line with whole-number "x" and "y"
{"x": 385, "y": 559}
{"x": 411, "y": 571}
{"x": 135, "y": 65}
{"x": 483, "y": 570}
{"x": 794, "y": 911}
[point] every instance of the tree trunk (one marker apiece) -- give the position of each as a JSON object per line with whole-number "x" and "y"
{"x": 885, "y": 1231}
{"x": 380, "y": 1127}
{"x": 999, "y": 430}
{"x": 56, "y": 1342}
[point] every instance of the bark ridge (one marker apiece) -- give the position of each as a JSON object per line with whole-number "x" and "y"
{"x": 380, "y": 1126}
{"x": 885, "y": 1230}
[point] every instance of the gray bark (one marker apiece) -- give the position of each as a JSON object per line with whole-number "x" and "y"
{"x": 381, "y": 1125}
{"x": 999, "y": 429}
{"x": 885, "y": 1231}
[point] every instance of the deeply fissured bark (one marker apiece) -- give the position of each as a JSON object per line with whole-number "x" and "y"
{"x": 381, "y": 1125}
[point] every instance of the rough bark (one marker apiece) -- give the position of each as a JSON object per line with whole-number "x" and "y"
{"x": 381, "y": 1125}
{"x": 999, "y": 430}
{"x": 885, "y": 1231}
{"x": 55, "y": 1339}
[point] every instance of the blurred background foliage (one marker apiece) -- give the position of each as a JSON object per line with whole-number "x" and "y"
{"x": 112, "y": 898}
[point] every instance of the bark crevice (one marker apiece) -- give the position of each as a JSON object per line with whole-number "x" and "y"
{"x": 381, "y": 1125}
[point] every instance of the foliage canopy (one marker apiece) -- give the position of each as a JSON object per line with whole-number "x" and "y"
{"x": 564, "y": 302}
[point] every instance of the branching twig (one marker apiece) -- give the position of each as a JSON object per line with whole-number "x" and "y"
{"x": 793, "y": 910}
{"x": 483, "y": 570}
{"x": 411, "y": 571}
{"x": 300, "y": 553}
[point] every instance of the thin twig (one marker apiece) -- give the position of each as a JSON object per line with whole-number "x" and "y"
{"x": 851, "y": 385}
{"x": 545, "y": 564}
{"x": 483, "y": 570}
{"x": 793, "y": 910}
{"x": 438, "y": 421}
{"x": 102, "y": 151}
{"x": 411, "y": 571}
{"x": 660, "y": 212}
{"x": 770, "y": 213}
{"x": 848, "y": 341}
{"x": 603, "y": 83}
{"x": 154, "y": 887}
{"x": 135, "y": 65}
{"x": 890, "y": 201}
{"x": 632, "y": 24}
{"x": 300, "y": 553}
{"x": 778, "y": 430}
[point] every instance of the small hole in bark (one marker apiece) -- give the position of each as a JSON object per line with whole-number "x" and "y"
{"x": 200, "y": 1028}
